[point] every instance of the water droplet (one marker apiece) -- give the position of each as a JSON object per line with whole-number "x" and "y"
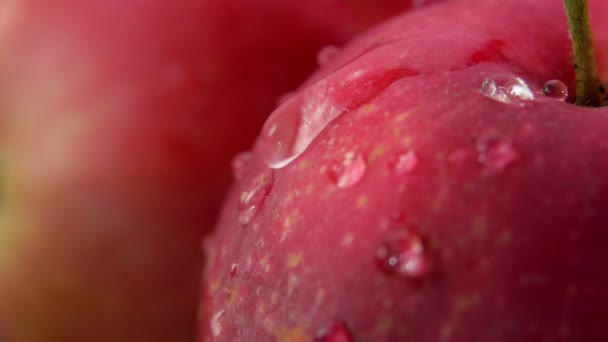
{"x": 216, "y": 324}
{"x": 507, "y": 89}
{"x": 255, "y": 195}
{"x": 556, "y": 89}
{"x": 403, "y": 254}
{"x": 404, "y": 163}
{"x": 240, "y": 164}
{"x": 326, "y": 54}
{"x": 496, "y": 154}
{"x": 338, "y": 332}
{"x": 233, "y": 269}
{"x": 350, "y": 171}
{"x": 292, "y": 127}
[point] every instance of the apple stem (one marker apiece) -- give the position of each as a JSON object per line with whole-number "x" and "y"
{"x": 588, "y": 85}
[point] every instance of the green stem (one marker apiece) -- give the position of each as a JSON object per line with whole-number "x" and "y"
{"x": 587, "y": 81}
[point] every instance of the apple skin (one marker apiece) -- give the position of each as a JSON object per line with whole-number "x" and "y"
{"x": 118, "y": 123}
{"x": 507, "y": 201}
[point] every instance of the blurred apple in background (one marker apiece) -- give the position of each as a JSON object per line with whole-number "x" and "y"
{"x": 118, "y": 122}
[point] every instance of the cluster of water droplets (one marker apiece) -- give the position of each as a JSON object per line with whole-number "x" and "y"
{"x": 514, "y": 90}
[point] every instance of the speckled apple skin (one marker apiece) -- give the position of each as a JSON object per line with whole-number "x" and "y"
{"x": 515, "y": 247}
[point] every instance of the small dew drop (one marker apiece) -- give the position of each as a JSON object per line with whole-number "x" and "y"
{"x": 403, "y": 254}
{"x": 404, "y": 163}
{"x": 240, "y": 163}
{"x": 507, "y": 89}
{"x": 350, "y": 171}
{"x": 254, "y": 196}
{"x": 337, "y": 332}
{"x": 327, "y": 54}
{"x": 233, "y": 269}
{"x": 216, "y": 324}
{"x": 496, "y": 154}
{"x": 556, "y": 89}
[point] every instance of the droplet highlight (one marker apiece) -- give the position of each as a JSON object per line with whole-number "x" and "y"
{"x": 350, "y": 171}
{"x": 403, "y": 254}
{"x": 327, "y": 54}
{"x": 404, "y": 163}
{"x": 240, "y": 164}
{"x": 507, "y": 89}
{"x": 254, "y": 196}
{"x": 556, "y": 89}
{"x": 216, "y": 324}
{"x": 337, "y": 332}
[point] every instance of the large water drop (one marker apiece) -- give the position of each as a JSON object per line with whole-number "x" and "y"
{"x": 507, "y": 89}
{"x": 292, "y": 127}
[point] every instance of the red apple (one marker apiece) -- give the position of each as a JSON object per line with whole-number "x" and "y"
{"x": 423, "y": 187}
{"x": 118, "y": 122}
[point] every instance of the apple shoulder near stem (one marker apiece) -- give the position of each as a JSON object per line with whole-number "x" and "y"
{"x": 432, "y": 183}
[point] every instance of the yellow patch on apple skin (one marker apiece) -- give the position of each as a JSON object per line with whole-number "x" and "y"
{"x": 320, "y": 296}
{"x": 289, "y": 221}
{"x": 362, "y": 201}
{"x": 293, "y": 260}
{"x": 274, "y": 297}
{"x": 376, "y": 153}
{"x": 479, "y": 226}
{"x": 368, "y": 108}
{"x": 402, "y": 117}
{"x": 214, "y": 287}
{"x": 347, "y": 240}
{"x": 504, "y": 238}
{"x": 295, "y": 334}
{"x": 383, "y": 325}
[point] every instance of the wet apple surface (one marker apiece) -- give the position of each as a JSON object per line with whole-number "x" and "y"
{"x": 462, "y": 200}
